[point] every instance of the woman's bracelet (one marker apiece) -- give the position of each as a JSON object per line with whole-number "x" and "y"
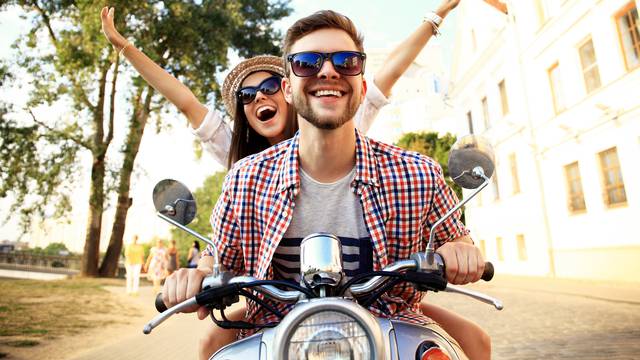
{"x": 435, "y": 20}
{"x": 123, "y": 48}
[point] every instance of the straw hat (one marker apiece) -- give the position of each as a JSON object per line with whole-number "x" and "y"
{"x": 233, "y": 81}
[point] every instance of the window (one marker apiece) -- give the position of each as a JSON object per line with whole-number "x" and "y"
{"x": 483, "y": 248}
{"x": 629, "y": 32}
{"x": 499, "y": 250}
{"x": 612, "y": 178}
{"x": 470, "y": 122}
{"x": 503, "y": 97}
{"x": 522, "y": 247}
{"x": 540, "y": 11}
{"x": 589, "y": 66}
{"x": 494, "y": 182}
{"x": 575, "y": 200}
{"x": 515, "y": 181}
{"x": 485, "y": 113}
{"x": 474, "y": 41}
{"x": 556, "y": 88}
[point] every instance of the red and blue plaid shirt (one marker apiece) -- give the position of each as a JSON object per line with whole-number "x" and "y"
{"x": 402, "y": 194}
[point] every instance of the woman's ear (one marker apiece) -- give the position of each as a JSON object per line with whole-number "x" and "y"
{"x": 286, "y": 90}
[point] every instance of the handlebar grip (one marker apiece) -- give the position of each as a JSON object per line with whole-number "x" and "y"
{"x": 487, "y": 275}
{"x": 160, "y": 306}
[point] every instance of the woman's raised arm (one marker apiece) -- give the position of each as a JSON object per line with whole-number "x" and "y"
{"x": 167, "y": 85}
{"x": 406, "y": 52}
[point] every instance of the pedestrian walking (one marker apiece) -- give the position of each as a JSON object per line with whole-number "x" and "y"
{"x": 174, "y": 260}
{"x": 156, "y": 265}
{"x": 134, "y": 257}
{"x": 194, "y": 255}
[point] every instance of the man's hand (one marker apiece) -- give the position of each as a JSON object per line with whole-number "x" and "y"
{"x": 182, "y": 285}
{"x": 463, "y": 260}
{"x": 109, "y": 29}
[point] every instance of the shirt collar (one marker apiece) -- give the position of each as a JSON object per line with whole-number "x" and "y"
{"x": 366, "y": 164}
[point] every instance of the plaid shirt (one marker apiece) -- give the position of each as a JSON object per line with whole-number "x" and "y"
{"x": 402, "y": 193}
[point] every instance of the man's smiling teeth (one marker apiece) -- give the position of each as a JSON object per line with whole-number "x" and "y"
{"x": 328, "y": 93}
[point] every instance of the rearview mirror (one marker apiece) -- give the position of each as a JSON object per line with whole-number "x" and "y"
{"x": 468, "y": 154}
{"x": 174, "y": 200}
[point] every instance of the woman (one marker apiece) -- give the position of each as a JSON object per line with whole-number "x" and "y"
{"x": 252, "y": 97}
{"x": 194, "y": 255}
{"x": 174, "y": 260}
{"x": 156, "y": 265}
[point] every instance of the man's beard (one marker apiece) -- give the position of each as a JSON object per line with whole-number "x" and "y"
{"x": 301, "y": 103}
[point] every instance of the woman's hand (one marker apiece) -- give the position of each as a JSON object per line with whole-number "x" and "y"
{"x": 108, "y": 28}
{"x": 446, "y": 6}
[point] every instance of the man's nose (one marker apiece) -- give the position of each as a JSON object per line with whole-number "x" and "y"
{"x": 327, "y": 71}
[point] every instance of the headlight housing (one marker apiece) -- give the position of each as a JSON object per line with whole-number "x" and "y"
{"x": 329, "y": 335}
{"x": 328, "y": 328}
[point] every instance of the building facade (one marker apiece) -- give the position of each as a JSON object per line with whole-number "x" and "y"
{"x": 555, "y": 87}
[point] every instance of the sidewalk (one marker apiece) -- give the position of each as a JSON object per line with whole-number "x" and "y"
{"x": 176, "y": 338}
{"x": 623, "y": 292}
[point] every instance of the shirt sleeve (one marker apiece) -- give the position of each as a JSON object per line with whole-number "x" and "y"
{"x": 215, "y": 135}
{"x": 374, "y": 100}
{"x": 226, "y": 232}
{"x": 442, "y": 199}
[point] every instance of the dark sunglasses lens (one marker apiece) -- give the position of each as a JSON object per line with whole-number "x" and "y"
{"x": 247, "y": 95}
{"x": 306, "y": 64}
{"x": 347, "y": 63}
{"x": 270, "y": 86}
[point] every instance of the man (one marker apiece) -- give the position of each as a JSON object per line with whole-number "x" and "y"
{"x": 378, "y": 199}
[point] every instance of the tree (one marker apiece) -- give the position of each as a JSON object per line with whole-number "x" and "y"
{"x": 188, "y": 38}
{"x": 74, "y": 66}
{"x": 206, "y": 197}
{"x": 436, "y": 147}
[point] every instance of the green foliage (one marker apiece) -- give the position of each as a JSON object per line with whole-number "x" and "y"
{"x": 55, "y": 248}
{"x": 37, "y": 169}
{"x": 436, "y": 147}
{"x": 69, "y": 62}
{"x": 206, "y": 197}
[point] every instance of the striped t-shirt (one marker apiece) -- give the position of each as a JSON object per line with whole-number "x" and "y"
{"x": 333, "y": 208}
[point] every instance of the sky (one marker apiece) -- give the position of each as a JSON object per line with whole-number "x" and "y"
{"x": 170, "y": 154}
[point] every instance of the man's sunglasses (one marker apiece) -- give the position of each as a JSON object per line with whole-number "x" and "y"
{"x": 268, "y": 86}
{"x": 309, "y": 63}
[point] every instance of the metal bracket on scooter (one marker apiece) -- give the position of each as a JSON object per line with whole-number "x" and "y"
{"x": 217, "y": 287}
{"x": 425, "y": 263}
{"x": 429, "y": 275}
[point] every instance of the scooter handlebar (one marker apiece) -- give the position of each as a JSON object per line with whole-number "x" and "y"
{"x": 487, "y": 274}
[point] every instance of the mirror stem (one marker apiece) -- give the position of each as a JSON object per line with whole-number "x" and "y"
{"x": 477, "y": 172}
{"x": 216, "y": 265}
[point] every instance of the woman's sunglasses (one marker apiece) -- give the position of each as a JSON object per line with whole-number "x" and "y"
{"x": 309, "y": 63}
{"x": 268, "y": 86}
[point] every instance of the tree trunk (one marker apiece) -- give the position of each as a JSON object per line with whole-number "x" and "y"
{"x": 91, "y": 255}
{"x": 132, "y": 145}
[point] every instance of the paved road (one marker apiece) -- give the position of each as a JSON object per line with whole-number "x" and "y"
{"x": 554, "y": 319}
{"x": 542, "y": 319}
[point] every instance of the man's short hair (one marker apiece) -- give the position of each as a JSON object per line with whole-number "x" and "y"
{"x": 323, "y": 19}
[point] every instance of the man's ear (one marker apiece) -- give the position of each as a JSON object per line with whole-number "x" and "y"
{"x": 286, "y": 90}
{"x": 364, "y": 89}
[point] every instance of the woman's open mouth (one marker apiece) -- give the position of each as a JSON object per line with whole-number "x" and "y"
{"x": 266, "y": 113}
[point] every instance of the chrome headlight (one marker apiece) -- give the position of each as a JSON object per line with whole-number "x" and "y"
{"x": 328, "y": 328}
{"x": 329, "y": 335}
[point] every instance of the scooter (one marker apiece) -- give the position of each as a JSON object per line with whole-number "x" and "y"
{"x": 329, "y": 318}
